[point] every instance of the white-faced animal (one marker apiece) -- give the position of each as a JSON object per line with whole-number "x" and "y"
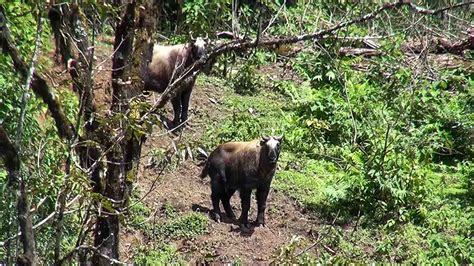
{"x": 242, "y": 166}
{"x": 168, "y": 62}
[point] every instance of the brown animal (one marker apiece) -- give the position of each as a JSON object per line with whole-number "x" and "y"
{"x": 242, "y": 166}
{"x": 169, "y": 61}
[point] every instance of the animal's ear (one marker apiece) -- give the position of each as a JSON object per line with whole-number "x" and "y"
{"x": 265, "y": 138}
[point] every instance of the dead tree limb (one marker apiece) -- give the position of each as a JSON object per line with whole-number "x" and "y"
{"x": 351, "y": 51}
{"x": 441, "y": 45}
{"x": 425, "y": 11}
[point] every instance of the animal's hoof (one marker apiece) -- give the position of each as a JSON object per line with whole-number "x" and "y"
{"x": 216, "y": 217}
{"x": 230, "y": 215}
{"x": 170, "y": 125}
{"x": 245, "y": 228}
{"x": 258, "y": 224}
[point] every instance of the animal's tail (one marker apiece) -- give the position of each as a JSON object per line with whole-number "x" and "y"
{"x": 204, "y": 171}
{"x": 203, "y": 157}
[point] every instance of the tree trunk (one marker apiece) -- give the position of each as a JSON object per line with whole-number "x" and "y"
{"x": 12, "y": 162}
{"x": 106, "y": 235}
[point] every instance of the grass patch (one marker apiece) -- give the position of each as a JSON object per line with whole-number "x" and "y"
{"x": 187, "y": 226}
{"x": 161, "y": 255}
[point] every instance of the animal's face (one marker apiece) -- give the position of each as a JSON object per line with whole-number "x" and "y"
{"x": 199, "y": 48}
{"x": 272, "y": 145}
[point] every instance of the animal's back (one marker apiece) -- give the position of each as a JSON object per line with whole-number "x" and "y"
{"x": 235, "y": 159}
{"x": 234, "y": 150}
{"x": 163, "y": 63}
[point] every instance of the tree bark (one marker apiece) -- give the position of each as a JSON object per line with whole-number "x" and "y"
{"x": 106, "y": 235}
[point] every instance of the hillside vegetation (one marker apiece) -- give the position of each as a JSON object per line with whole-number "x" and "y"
{"x": 377, "y": 122}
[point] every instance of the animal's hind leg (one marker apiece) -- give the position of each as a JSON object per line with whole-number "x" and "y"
{"x": 245, "y": 201}
{"x": 216, "y": 195}
{"x": 226, "y": 203}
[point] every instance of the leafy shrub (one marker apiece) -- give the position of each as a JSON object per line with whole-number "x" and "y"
{"x": 247, "y": 81}
{"x": 201, "y": 15}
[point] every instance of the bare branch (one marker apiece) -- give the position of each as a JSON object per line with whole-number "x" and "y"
{"x": 425, "y": 11}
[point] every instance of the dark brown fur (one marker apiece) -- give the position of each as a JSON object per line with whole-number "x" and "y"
{"x": 242, "y": 166}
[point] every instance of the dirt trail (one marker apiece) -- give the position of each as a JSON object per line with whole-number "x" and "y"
{"x": 183, "y": 189}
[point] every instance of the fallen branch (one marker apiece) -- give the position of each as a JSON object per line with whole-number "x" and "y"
{"x": 441, "y": 45}
{"x": 350, "y": 51}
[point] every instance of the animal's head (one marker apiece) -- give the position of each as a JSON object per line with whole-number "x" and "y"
{"x": 198, "y": 47}
{"x": 271, "y": 145}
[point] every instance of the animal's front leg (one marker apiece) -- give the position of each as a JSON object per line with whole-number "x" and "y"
{"x": 185, "y": 98}
{"x": 245, "y": 202}
{"x": 176, "y": 101}
{"x": 262, "y": 194}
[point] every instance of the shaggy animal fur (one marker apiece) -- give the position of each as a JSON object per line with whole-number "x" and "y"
{"x": 172, "y": 60}
{"x": 242, "y": 166}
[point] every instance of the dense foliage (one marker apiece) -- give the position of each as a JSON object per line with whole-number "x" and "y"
{"x": 383, "y": 145}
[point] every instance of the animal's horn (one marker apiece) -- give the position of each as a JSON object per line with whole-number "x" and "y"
{"x": 191, "y": 36}
{"x": 279, "y": 137}
{"x": 265, "y": 138}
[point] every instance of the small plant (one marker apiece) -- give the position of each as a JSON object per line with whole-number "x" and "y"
{"x": 247, "y": 81}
